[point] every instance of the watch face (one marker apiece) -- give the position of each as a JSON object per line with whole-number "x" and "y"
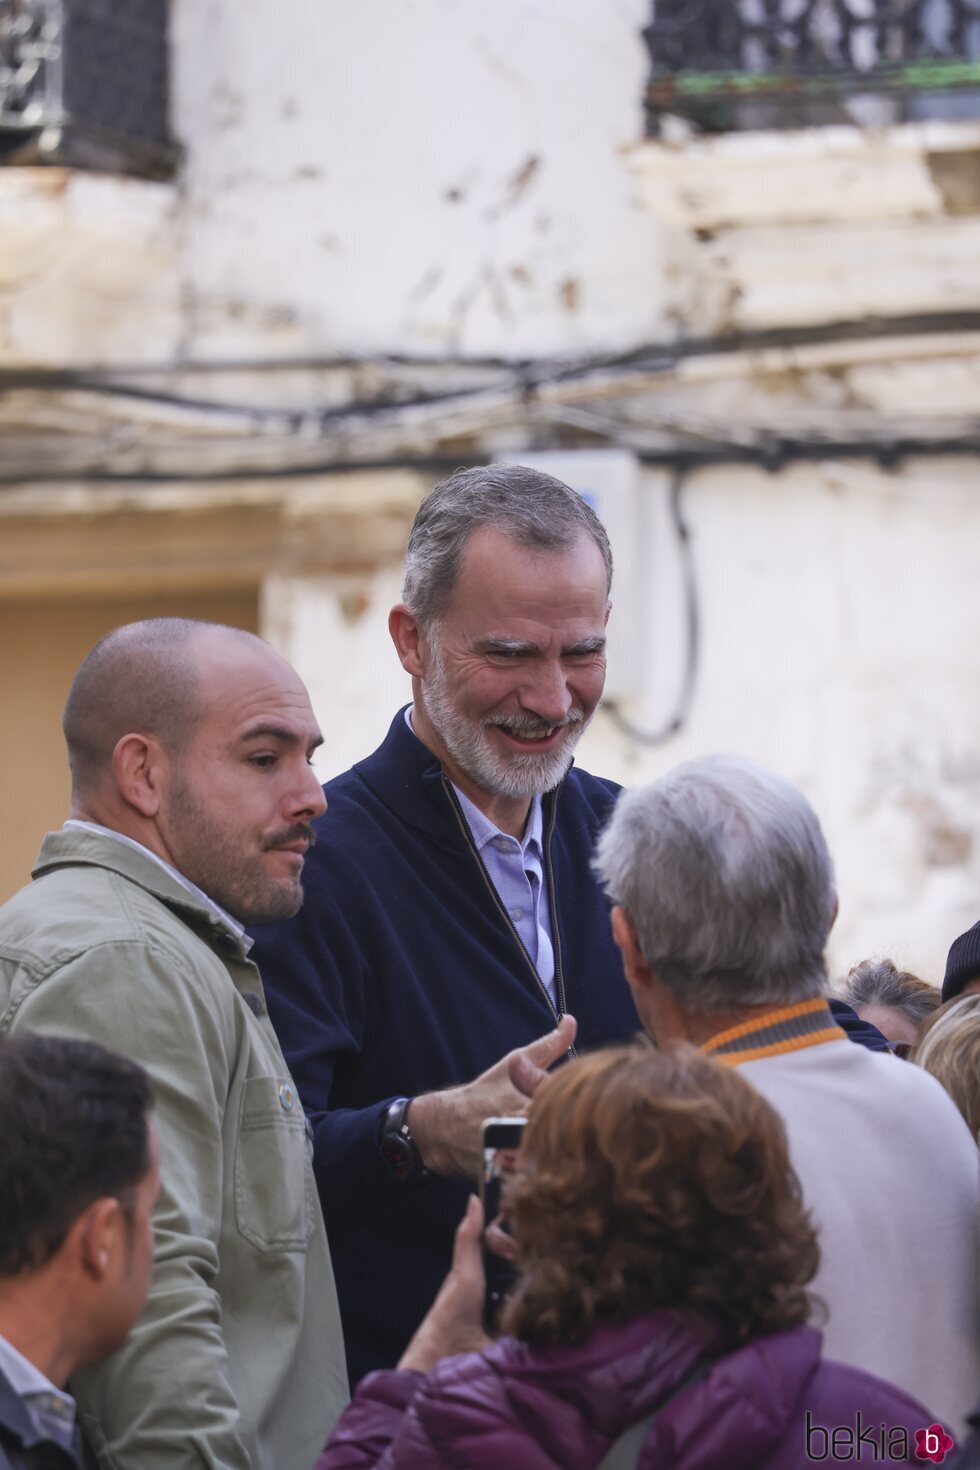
{"x": 399, "y": 1155}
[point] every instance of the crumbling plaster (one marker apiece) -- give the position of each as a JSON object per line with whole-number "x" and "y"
{"x": 430, "y": 177}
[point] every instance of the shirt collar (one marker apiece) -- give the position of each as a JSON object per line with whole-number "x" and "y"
{"x": 51, "y": 1410}
{"x": 74, "y": 824}
{"x": 482, "y": 830}
{"x": 24, "y": 1378}
{"x": 775, "y": 1032}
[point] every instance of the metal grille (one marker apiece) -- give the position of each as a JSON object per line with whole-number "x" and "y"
{"x": 805, "y": 56}
{"x": 84, "y": 82}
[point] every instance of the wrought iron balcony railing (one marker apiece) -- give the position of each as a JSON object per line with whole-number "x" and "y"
{"x": 85, "y": 82}
{"x": 734, "y": 63}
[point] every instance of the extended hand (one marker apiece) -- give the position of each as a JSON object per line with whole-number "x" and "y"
{"x": 454, "y": 1322}
{"x": 446, "y": 1125}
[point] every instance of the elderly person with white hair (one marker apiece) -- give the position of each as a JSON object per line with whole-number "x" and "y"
{"x": 723, "y": 894}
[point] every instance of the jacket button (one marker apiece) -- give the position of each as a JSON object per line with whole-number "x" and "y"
{"x": 287, "y": 1098}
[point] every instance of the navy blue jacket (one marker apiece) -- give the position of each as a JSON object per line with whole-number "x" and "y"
{"x": 402, "y": 974}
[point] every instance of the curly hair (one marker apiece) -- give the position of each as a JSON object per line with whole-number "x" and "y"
{"x": 652, "y": 1179}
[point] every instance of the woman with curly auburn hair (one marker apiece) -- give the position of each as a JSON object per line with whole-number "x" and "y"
{"x": 663, "y": 1253}
{"x": 651, "y": 1181}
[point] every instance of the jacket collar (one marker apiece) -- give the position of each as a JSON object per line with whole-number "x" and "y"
{"x": 405, "y": 775}
{"x": 74, "y": 848}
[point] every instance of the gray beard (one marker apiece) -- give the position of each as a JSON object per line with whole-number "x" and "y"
{"x": 518, "y": 776}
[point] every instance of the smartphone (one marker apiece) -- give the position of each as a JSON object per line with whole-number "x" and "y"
{"x": 501, "y": 1142}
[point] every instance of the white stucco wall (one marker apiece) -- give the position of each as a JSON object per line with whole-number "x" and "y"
{"x": 841, "y": 646}
{"x": 433, "y": 176}
{"x": 88, "y": 269}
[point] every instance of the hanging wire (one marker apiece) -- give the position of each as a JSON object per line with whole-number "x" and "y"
{"x": 692, "y": 633}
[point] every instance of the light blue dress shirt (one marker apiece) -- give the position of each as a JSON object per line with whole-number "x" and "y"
{"x": 516, "y": 869}
{"x": 50, "y": 1410}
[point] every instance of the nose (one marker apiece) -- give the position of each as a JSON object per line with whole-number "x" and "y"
{"x": 546, "y": 693}
{"x": 308, "y": 800}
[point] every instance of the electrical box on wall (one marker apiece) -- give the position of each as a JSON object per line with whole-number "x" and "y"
{"x": 609, "y": 479}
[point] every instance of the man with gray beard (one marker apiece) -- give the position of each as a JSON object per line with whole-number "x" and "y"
{"x": 452, "y": 927}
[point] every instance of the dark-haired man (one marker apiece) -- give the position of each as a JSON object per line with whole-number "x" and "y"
{"x": 452, "y": 923}
{"x": 79, "y": 1177}
{"x": 192, "y": 799}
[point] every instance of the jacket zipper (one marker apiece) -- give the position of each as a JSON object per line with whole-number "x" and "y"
{"x": 553, "y": 904}
{"x": 552, "y": 908}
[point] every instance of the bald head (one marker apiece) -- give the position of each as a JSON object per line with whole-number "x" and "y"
{"x": 143, "y": 678}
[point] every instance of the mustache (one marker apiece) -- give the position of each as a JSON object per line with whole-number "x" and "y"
{"x": 299, "y": 831}
{"x": 531, "y": 724}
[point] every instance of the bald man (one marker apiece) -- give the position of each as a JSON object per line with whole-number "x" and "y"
{"x": 192, "y": 799}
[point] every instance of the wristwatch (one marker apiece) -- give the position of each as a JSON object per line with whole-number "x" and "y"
{"x": 398, "y": 1149}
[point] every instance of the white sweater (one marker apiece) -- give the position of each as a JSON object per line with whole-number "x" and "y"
{"x": 890, "y": 1173}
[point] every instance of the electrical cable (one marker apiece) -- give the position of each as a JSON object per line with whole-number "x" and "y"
{"x": 650, "y": 356}
{"x": 771, "y": 453}
{"x": 692, "y": 629}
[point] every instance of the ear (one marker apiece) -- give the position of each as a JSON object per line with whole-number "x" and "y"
{"x": 834, "y": 911}
{"x": 408, "y": 639}
{"x": 637, "y": 971}
{"x": 138, "y": 765}
{"x": 96, "y": 1236}
{"x": 608, "y": 611}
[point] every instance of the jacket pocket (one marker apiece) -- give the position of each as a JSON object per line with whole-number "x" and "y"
{"x": 274, "y": 1190}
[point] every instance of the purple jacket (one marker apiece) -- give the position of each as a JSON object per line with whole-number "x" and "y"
{"x": 514, "y": 1408}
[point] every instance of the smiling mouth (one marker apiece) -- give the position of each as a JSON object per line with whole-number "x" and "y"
{"x": 540, "y": 737}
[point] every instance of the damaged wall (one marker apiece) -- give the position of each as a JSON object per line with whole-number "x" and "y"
{"x": 431, "y": 177}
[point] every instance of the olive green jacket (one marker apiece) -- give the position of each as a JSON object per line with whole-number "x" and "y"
{"x": 237, "y": 1360}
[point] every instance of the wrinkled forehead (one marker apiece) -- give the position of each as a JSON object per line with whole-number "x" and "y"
{"x": 501, "y": 549}
{"x": 499, "y": 574}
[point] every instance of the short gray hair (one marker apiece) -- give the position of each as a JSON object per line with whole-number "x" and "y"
{"x": 878, "y": 982}
{"x": 537, "y": 510}
{"x": 725, "y": 874}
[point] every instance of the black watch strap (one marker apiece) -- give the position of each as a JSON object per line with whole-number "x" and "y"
{"x": 398, "y": 1148}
